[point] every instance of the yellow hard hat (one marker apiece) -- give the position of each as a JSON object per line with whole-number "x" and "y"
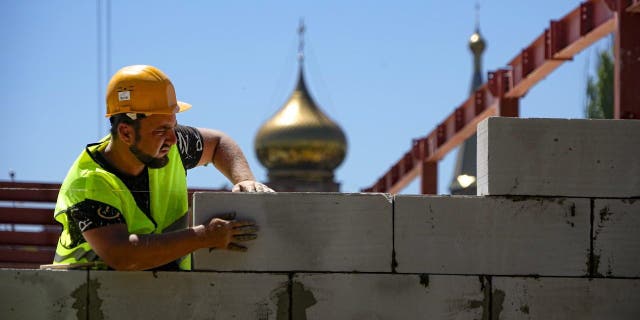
{"x": 142, "y": 89}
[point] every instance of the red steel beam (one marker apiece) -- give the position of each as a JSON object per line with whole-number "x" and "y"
{"x": 634, "y": 7}
{"x": 39, "y": 216}
{"x": 23, "y": 256}
{"x": 29, "y": 191}
{"x": 48, "y": 192}
{"x": 564, "y": 38}
{"x": 429, "y": 181}
{"x": 626, "y": 59}
{"x": 432, "y": 148}
{"x": 41, "y": 238}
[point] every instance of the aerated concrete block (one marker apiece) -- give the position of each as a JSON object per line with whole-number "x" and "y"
{"x": 565, "y": 298}
{"x": 616, "y": 237}
{"x": 492, "y": 235}
{"x": 188, "y": 295}
{"x": 559, "y": 157}
{"x": 302, "y": 231}
{"x": 42, "y": 294}
{"x": 389, "y": 296}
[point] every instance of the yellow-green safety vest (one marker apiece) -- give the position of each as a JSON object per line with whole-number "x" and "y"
{"x": 88, "y": 180}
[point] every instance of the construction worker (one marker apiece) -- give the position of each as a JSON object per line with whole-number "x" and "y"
{"x": 123, "y": 204}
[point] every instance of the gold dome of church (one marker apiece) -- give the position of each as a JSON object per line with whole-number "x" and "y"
{"x": 477, "y": 43}
{"x": 301, "y": 138}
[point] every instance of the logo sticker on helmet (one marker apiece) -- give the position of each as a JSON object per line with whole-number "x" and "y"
{"x": 124, "y": 95}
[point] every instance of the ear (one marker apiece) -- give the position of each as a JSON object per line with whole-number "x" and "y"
{"x": 126, "y": 133}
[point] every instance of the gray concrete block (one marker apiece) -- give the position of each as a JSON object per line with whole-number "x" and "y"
{"x": 389, "y": 296}
{"x": 303, "y": 231}
{"x": 188, "y": 295}
{"x": 492, "y": 235}
{"x": 40, "y": 294}
{"x": 559, "y": 157}
{"x": 565, "y": 298}
{"x": 616, "y": 237}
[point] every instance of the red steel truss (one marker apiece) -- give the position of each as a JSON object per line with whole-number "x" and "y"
{"x": 500, "y": 95}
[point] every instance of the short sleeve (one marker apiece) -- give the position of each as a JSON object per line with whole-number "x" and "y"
{"x": 90, "y": 214}
{"x": 190, "y": 145}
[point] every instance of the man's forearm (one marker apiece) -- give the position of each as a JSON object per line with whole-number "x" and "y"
{"x": 123, "y": 251}
{"x": 230, "y": 160}
{"x": 154, "y": 250}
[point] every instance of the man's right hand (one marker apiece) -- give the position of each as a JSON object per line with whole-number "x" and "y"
{"x": 226, "y": 232}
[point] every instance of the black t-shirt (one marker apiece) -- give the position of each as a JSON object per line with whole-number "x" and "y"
{"x": 90, "y": 214}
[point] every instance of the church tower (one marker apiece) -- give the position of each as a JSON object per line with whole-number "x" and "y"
{"x": 300, "y": 145}
{"x": 464, "y": 175}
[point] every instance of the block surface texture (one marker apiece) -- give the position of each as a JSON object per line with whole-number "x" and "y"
{"x": 492, "y": 235}
{"x": 565, "y": 298}
{"x": 616, "y": 237}
{"x": 39, "y": 294}
{"x": 559, "y": 157}
{"x": 388, "y": 296}
{"x": 188, "y": 295}
{"x": 302, "y": 231}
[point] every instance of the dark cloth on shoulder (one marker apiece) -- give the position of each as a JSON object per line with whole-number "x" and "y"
{"x": 190, "y": 145}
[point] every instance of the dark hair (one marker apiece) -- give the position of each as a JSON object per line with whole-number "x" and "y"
{"x": 119, "y": 118}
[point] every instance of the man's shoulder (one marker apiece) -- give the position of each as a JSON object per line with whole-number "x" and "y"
{"x": 188, "y": 137}
{"x": 90, "y": 182}
{"x": 86, "y": 167}
{"x": 190, "y": 145}
{"x": 86, "y": 174}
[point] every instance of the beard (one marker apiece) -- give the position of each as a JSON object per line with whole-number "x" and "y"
{"x": 147, "y": 159}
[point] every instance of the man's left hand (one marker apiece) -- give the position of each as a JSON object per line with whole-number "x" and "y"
{"x": 250, "y": 186}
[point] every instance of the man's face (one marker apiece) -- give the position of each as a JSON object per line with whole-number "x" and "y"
{"x": 155, "y": 137}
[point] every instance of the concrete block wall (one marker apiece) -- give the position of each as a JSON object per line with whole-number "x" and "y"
{"x": 388, "y": 296}
{"x": 565, "y": 298}
{"x": 616, "y": 237}
{"x": 565, "y": 251}
{"x": 492, "y": 235}
{"x": 45, "y": 294}
{"x": 559, "y": 157}
{"x": 329, "y": 232}
{"x": 36, "y": 294}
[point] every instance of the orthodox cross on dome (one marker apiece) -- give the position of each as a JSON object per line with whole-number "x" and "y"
{"x": 301, "y": 29}
{"x": 477, "y": 8}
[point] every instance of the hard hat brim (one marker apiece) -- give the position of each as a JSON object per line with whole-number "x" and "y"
{"x": 183, "y": 106}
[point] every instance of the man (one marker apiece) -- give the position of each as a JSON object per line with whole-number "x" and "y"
{"x": 124, "y": 201}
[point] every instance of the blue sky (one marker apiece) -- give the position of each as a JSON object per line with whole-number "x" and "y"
{"x": 387, "y": 72}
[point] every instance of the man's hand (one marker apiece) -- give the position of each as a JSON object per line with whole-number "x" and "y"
{"x": 250, "y": 186}
{"x": 227, "y": 232}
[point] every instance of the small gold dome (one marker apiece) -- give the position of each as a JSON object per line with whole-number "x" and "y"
{"x": 477, "y": 43}
{"x": 300, "y": 137}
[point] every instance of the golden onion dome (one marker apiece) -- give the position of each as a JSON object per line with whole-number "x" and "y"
{"x": 300, "y": 136}
{"x": 477, "y": 43}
